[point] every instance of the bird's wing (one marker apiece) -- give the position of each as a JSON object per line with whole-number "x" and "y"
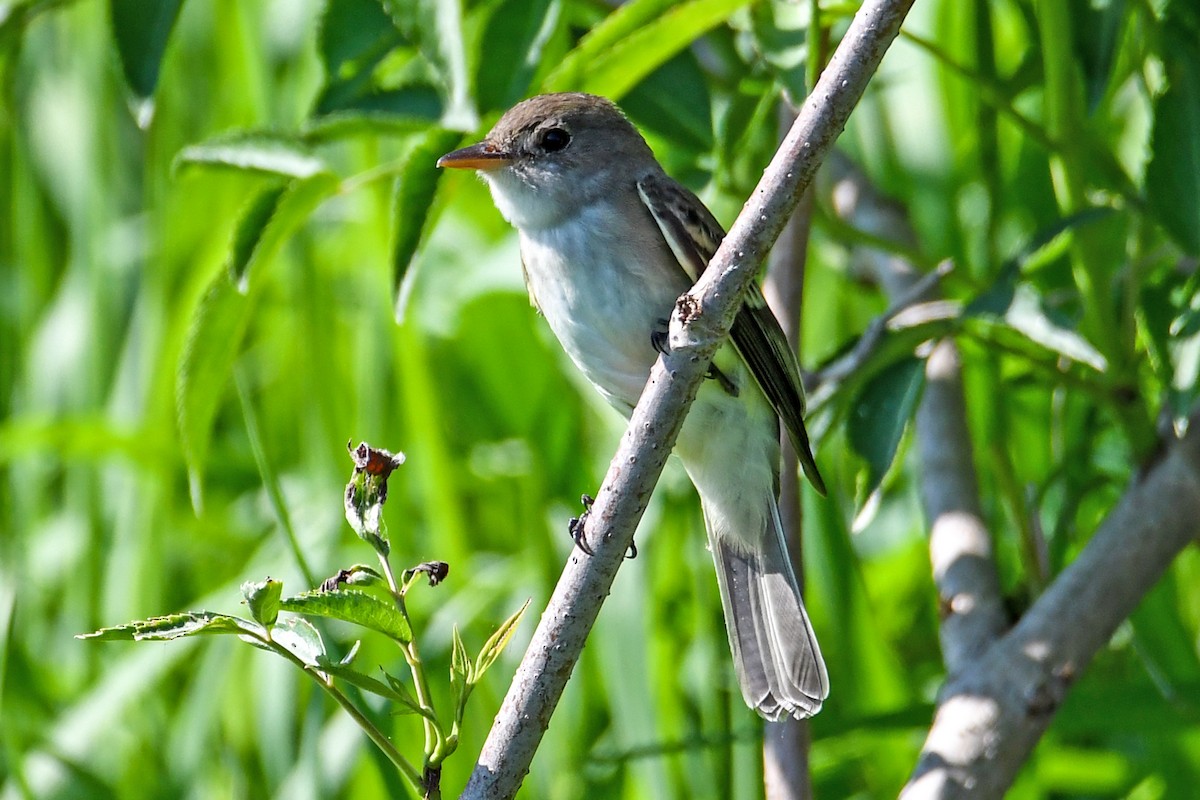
{"x": 694, "y": 235}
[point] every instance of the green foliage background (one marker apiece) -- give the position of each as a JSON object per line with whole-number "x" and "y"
{"x": 210, "y": 209}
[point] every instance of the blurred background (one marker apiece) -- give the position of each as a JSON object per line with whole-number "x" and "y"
{"x": 224, "y": 251}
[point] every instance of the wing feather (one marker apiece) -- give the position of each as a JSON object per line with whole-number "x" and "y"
{"x": 694, "y": 235}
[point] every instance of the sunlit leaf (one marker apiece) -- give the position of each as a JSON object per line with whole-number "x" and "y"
{"x": 352, "y": 605}
{"x": 265, "y": 154}
{"x": 618, "y": 68}
{"x": 272, "y": 220}
{"x": 496, "y": 643}
{"x": 436, "y": 26}
{"x": 214, "y": 339}
{"x": 263, "y": 599}
{"x": 174, "y": 626}
{"x": 461, "y": 670}
{"x": 303, "y": 640}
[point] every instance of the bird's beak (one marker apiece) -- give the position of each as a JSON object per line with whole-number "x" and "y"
{"x": 485, "y": 155}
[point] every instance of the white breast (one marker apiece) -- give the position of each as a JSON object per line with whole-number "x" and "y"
{"x": 604, "y": 284}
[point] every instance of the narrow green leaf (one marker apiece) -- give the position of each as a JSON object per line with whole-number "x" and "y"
{"x": 437, "y": 28}
{"x": 268, "y": 224}
{"x": 622, "y": 22}
{"x": 412, "y": 201}
{"x": 174, "y": 626}
{"x": 617, "y": 69}
{"x": 1173, "y": 174}
{"x": 460, "y": 665}
{"x": 495, "y": 644}
{"x": 352, "y": 605}
{"x": 402, "y": 693}
{"x": 262, "y": 153}
{"x": 250, "y": 228}
{"x": 880, "y": 412}
{"x": 141, "y": 31}
{"x": 214, "y": 338}
{"x": 303, "y": 640}
{"x": 263, "y": 599}
{"x": 1028, "y": 315}
{"x": 353, "y": 31}
{"x": 514, "y": 38}
{"x": 364, "y": 682}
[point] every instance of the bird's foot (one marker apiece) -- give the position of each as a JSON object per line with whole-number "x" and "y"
{"x": 660, "y": 337}
{"x": 575, "y": 527}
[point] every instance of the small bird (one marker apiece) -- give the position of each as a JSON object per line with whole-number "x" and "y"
{"x": 608, "y": 243}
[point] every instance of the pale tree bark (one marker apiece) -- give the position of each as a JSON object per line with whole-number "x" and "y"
{"x": 786, "y": 773}
{"x": 699, "y": 325}
{"x": 1004, "y": 686}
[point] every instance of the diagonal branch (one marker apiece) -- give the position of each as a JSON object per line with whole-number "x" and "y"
{"x": 1004, "y": 687}
{"x": 700, "y": 323}
{"x": 990, "y": 717}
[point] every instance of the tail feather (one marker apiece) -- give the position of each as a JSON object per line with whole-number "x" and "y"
{"x": 775, "y": 652}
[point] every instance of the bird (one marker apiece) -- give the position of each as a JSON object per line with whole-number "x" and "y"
{"x": 608, "y": 243}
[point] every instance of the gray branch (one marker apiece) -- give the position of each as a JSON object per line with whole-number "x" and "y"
{"x": 960, "y": 548}
{"x": 786, "y": 743}
{"x": 1003, "y": 688}
{"x": 990, "y": 717}
{"x": 700, "y": 323}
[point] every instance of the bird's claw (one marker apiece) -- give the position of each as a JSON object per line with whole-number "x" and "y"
{"x": 660, "y": 338}
{"x": 575, "y": 527}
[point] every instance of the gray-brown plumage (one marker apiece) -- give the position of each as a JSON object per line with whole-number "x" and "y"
{"x": 608, "y": 242}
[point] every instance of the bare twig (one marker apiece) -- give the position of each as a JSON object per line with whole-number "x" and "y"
{"x": 786, "y": 774}
{"x": 700, "y": 323}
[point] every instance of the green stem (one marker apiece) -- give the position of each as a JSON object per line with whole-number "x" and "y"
{"x": 434, "y": 738}
{"x": 373, "y": 733}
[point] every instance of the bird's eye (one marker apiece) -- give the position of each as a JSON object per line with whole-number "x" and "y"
{"x": 555, "y": 139}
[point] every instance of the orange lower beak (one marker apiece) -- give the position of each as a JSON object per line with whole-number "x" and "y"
{"x": 484, "y": 155}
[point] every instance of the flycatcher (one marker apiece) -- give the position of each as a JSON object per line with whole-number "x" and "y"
{"x": 608, "y": 243}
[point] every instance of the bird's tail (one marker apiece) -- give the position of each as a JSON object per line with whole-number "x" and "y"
{"x": 778, "y": 662}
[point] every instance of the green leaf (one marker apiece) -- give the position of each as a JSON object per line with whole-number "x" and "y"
{"x": 261, "y": 153}
{"x": 513, "y": 39}
{"x": 250, "y": 229}
{"x": 272, "y": 219}
{"x": 495, "y": 645}
{"x": 780, "y": 30}
{"x": 214, "y": 338}
{"x": 141, "y": 31}
{"x": 880, "y": 413}
{"x": 412, "y": 201}
{"x": 220, "y": 321}
{"x": 1173, "y": 174}
{"x": 366, "y": 683}
{"x": 625, "y": 20}
{"x": 616, "y": 69}
{"x": 263, "y": 599}
{"x": 175, "y": 626}
{"x": 436, "y": 26}
{"x": 1018, "y": 308}
{"x": 402, "y": 693}
{"x": 353, "y": 605}
{"x": 303, "y": 640}
{"x": 460, "y": 673}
